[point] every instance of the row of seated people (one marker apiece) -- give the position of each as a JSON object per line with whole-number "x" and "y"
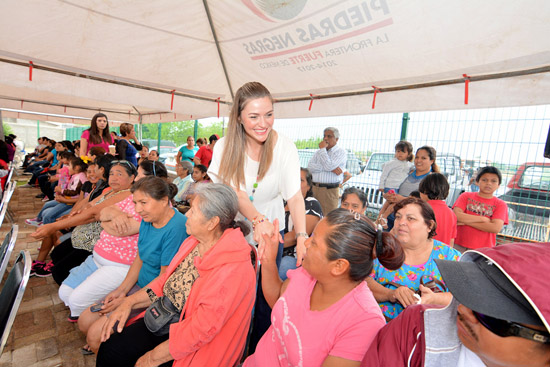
{"x": 204, "y": 289}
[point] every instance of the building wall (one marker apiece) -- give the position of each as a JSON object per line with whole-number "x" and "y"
{"x": 27, "y": 131}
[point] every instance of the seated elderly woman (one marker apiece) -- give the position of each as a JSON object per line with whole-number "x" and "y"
{"x": 208, "y": 288}
{"x": 161, "y": 233}
{"x": 415, "y": 227}
{"x": 355, "y": 200}
{"x": 184, "y": 170}
{"x": 107, "y": 266}
{"x": 324, "y": 313}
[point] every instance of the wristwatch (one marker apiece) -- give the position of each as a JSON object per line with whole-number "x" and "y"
{"x": 302, "y": 234}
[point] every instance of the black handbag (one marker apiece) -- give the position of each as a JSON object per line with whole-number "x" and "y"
{"x": 160, "y": 315}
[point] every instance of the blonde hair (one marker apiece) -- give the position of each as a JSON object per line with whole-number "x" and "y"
{"x": 234, "y": 152}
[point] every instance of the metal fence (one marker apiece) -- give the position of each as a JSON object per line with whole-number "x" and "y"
{"x": 512, "y": 139}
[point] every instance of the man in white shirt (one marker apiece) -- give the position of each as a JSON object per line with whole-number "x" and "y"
{"x": 327, "y": 167}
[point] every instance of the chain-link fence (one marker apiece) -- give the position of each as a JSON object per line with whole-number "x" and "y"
{"x": 511, "y": 139}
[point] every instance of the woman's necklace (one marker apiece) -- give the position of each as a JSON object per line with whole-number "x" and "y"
{"x": 254, "y": 187}
{"x": 114, "y": 193}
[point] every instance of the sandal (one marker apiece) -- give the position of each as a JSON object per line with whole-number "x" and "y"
{"x": 85, "y": 350}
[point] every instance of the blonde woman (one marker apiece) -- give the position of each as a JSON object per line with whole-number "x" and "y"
{"x": 263, "y": 168}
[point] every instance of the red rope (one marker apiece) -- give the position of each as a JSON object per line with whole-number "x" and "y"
{"x": 30, "y": 70}
{"x": 172, "y": 102}
{"x": 376, "y": 90}
{"x": 466, "y": 88}
{"x": 312, "y": 96}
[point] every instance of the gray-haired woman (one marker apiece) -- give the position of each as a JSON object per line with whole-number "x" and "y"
{"x": 209, "y": 285}
{"x": 184, "y": 169}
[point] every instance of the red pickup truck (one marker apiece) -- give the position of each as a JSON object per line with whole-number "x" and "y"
{"x": 528, "y": 200}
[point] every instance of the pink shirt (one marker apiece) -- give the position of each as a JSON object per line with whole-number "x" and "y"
{"x": 301, "y": 337}
{"x": 103, "y": 144}
{"x": 122, "y": 250}
{"x": 64, "y": 177}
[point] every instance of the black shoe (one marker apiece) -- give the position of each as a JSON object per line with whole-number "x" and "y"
{"x": 44, "y": 271}
{"x": 40, "y": 196}
{"x": 72, "y": 319}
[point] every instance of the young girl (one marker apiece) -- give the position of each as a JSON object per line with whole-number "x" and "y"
{"x": 153, "y": 155}
{"x": 393, "y": 174}
{"x": 63, "y": 176}
{"x": 97, "y": 135}
{"x": 58, "y": 207}
{"x": 199, "y": 176}
{"x": 48, "y": 181}
{"x": 143, "y": 154}
{"x": 480, "y": 214}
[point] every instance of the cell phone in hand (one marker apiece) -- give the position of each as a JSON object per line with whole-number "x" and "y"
{"x": 96, "y": 308}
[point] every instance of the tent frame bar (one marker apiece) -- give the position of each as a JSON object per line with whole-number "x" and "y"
{"x": 65, "y": 105}
{"x": 220, "y": 54}
{"x": 111, "y": 81}
{"x": 473, "y": 78}
{"x": 476, "y": 78}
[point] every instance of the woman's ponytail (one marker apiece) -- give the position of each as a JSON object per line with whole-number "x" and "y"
{"x": 388, "y": 251}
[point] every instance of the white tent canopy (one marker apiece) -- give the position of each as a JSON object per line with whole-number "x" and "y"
{"x": 125, "y": 57}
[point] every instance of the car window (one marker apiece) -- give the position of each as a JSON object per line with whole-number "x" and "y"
{"x": 352, "y": 164}
{"x": 536, "y": 178}
{"x": 377, "y": 160}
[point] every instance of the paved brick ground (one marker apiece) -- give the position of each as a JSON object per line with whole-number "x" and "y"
{"x": 41, "y": 335}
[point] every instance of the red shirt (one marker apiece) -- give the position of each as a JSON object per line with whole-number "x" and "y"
{"x": 446, "y": 221}
{"x": 472, "y": 203}
{"x": 205, "y": 155}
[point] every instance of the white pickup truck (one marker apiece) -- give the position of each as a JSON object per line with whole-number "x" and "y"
{"x": 369, "y": 180}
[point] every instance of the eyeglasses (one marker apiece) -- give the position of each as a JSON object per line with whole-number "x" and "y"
{"x": 505, "y": 328}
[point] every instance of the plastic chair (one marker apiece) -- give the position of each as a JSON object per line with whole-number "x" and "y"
{"x": 12, "y": 294}
{"x": 6, "y": 249}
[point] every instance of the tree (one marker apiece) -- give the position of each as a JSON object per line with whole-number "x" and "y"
{"x": 214, "y": 128}
{"x": 179, "y": 131}
{"x": 311, "y": 143}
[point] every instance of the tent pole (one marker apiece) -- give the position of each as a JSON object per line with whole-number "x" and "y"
{"x": 404, "y": 125}
{"x": 158, "y": 140}
{"x": 196, "y": 130}
{"x": 205, "y": 2}
{"x": 1, "y": 126}
{"x": 140, "y": 127}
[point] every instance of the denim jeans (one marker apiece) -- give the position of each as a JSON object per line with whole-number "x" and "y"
{"x": 53, "y": 210}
